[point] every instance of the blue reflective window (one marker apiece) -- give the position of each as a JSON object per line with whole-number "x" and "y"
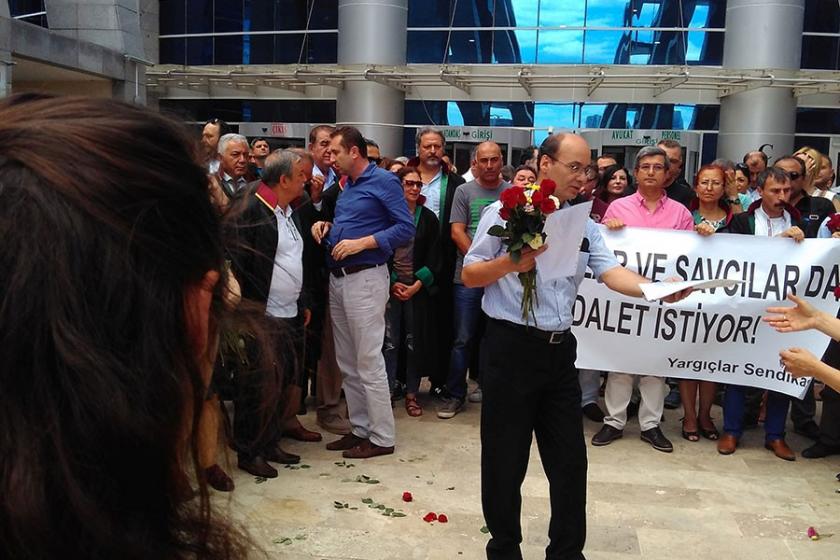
{"x": 557, "y": 115}
{"x": 173, "y": 51}
{"x": 523, "y": 13}
{"x": 172, "y": 18}
{"x": 565, "y": 13}
{"x": 199, "y": 50}
{"x": 820, "y": 53}
{"x": 591, "y": 115}
{"x": 514, "y": 47}
{"x": 560, "y": 47}
{"x": 822, "y": 16}
{"x": 604, "y": 47}
{"x": 199, "y": 16}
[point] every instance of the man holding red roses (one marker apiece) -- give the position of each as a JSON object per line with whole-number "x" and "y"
{"x": 529, "y": 381}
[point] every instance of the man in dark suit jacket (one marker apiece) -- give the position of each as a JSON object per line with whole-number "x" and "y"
{"x": 267, "y": 260}
{"x": 439, "y": 185}
{"x": 772, "y": 216}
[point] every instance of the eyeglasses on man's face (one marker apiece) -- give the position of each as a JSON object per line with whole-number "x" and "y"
{"x": 575, "y": 167}
{"x": 654, "y": 167}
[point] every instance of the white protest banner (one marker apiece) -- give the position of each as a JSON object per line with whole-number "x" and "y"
{"x": 715, "y": 334}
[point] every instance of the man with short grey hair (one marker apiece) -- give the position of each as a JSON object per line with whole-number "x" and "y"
{"x": 649, "y": 207}
{"x": 233, "y": 163}
{"x": 268, "y": 262}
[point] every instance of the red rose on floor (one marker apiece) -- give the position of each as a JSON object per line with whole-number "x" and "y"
{"x": 407, "y": 497}
{"x": 837, "y": 292}
{"x": 429, "y": 517}
{"x": 834, "y": 223}
{"x": 442, "y": 518}
{"x": 547, "y": 187}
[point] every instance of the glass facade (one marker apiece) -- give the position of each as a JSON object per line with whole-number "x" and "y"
{"x": 201, "y": 32}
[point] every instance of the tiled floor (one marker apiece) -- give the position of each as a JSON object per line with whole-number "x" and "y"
{"x": 642, "y": 504}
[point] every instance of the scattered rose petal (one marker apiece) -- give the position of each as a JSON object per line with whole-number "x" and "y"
{"x": 407, "y": 497}
{"x": 442, "y": 518}
{"x": 429, "y": 517}
{"x": 812, "y": 534}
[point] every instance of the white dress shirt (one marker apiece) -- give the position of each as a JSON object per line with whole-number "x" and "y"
{"x": 287, "y": 277}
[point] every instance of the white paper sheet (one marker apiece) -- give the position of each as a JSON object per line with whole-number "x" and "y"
{"x": 658, "y": 290}
{"x": 564, "y": 231}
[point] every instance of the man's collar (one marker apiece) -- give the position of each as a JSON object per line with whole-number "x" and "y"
{"x": 641, "y": 199}
{"x": 266, "y": 196}
{"x": 366, "y": 173}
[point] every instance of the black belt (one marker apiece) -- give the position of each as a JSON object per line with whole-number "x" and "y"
{"x": 340, "y": 272}
{"x": 551, "y": 337}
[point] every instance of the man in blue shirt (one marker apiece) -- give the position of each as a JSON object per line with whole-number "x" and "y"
{"x": 539, "y": 363}
{"x": 371, "y": 220}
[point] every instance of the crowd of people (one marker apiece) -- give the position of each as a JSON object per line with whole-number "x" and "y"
{"x": 181, "y": 275}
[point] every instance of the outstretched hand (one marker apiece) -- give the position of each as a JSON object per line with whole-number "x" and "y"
{"x": 801, "y": 317}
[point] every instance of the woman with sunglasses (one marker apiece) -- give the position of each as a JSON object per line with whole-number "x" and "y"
{"x": 409, "y": 317}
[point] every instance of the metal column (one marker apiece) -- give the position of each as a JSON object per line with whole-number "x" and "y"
{"x": 373, "y": 32}
{"x": 760, "y": 35}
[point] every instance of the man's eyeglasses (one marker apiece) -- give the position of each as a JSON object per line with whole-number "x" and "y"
{"x": 648, "y": 167}
{"x": 575, "y": 167}
{"x": 412, "y": 184}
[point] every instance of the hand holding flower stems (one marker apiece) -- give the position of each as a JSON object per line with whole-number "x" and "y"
{"x": 525, "y": 210}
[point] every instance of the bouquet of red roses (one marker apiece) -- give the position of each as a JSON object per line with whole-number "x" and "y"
{"x": 525, "y": 209}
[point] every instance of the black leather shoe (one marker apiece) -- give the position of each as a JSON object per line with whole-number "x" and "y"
{"x": 657, "y": 440}
{"x": 593, "y": 412}
{"x": 277, "y": 455}
{"x": 256, "y": 466}
{"x": 606, "y": 435}
{"x": 810, "y": 430}
{"x": 820, "y": 450}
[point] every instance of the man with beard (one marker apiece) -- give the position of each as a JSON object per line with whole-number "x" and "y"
{"x": 439, "y": 185}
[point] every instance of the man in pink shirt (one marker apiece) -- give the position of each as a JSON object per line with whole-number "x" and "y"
{"x": 648, "y": 207}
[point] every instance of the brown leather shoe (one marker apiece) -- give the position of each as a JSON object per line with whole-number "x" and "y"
{"x": 256, "y": 466}
{"x": 727, "y": 444}
{"x": 277, "y": 455}
{"x": 781, "y": 449}
{"x": 347, "y": 442}
{"x": 366, "y": 450}
{"x": 302, "y": 434}
{"x": 218, "y": 479}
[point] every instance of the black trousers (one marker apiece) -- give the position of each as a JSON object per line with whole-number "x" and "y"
{"x": 258, "y": 388}
{"x": 830, "y": 419}
{"x": 531, "y": 387}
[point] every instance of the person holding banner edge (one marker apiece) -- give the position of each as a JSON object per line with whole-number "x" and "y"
{"x": 538, "y": 363}
{"x": 773, "y": 216}
{"x": 649, "y": 207}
